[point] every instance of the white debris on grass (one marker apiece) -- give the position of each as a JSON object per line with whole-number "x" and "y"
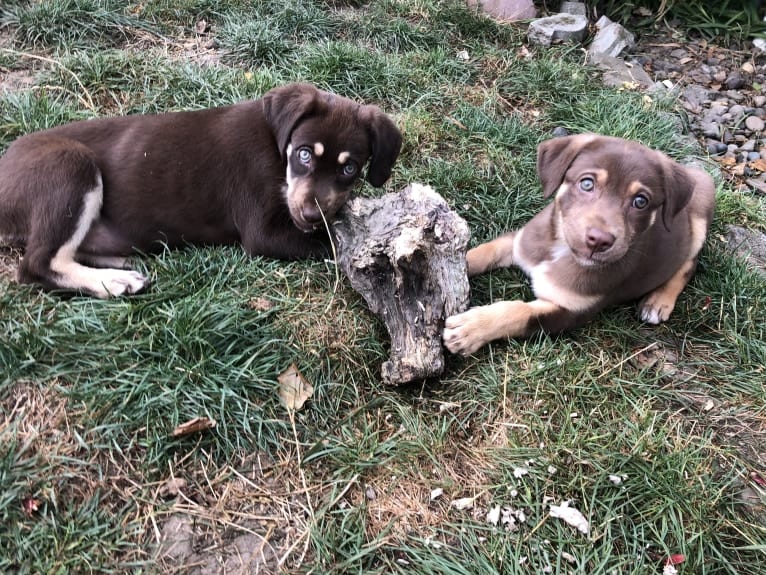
{"x": 617, "y": 479}
{"x": 519, "y": 472}
{"x": 571, "y": 516}
{"x": 436, "y": 493}
{"x": 463, "y": 503}
{"x": 493, "y": 515}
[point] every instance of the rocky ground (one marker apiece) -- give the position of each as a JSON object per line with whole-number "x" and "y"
{"x": 722, "y": 94}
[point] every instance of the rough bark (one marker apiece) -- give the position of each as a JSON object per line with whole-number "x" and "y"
{"x": 405, "y": 254}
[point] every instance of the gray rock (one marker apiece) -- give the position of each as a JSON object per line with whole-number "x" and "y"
{"x": 611, "y": 38}
{"x": 748, "y": 244}
{"x": 577, "y": 8}
{"x": 754, "y": 123}
{"x": 617, "y": 72}
{"x": 715, "y": 148}
{"x": 748, "y": 146}
{"x": 559, "y": 131}
{"x": 734, "y": 81}
{"x": 752, "y": 156}
{"x": 696, "y": 95}
{"x": 737, "y": 110}
{"x": 559, "y": 27}
{"x": 759, "y": 101}
{"x": 506, "y": 10}
{"x": 710, "y": 129}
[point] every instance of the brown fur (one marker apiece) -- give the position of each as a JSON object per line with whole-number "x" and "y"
{"x": 91, "y": 193}
{"x": 589, "y": 249}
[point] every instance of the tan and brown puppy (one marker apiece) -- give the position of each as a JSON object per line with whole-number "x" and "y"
{"x": 265, "y": 173}
{"x": 626, "y": 222}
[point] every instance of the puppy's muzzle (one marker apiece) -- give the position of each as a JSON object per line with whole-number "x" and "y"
{"x": 598, "y": 240}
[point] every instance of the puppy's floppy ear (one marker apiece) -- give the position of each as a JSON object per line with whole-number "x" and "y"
{"x": 554, "y": 157}
{"x": 679, "y": 187}
{"x": 385, "y": 141}
{"x": 286, "y": 106}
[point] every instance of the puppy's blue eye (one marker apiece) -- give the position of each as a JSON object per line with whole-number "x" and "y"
{"x": 587, "y": 184}
{"x": 640, "y": 202}
{"x": 304, "y": 155}
{"x": 349, "y": 169}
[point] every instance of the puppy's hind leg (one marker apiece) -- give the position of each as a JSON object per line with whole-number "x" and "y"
{"x": 59, "y": 223}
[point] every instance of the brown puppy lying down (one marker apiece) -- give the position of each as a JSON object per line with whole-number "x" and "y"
{"x": 265, "y": 173}
{"x": 626, "y": 222}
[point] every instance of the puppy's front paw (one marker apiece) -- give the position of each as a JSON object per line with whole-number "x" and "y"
{"x": 464, "y": 333}
{"x": 656, "y": 307}
{"x": 122, "y": 282}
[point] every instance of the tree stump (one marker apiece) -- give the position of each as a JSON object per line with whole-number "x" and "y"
{"x": 405, "y": 254}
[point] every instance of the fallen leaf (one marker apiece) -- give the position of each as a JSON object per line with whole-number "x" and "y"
{"x": 571, "y": 516}
{"x": 675, "y": 559}
{"x": 759, "y": 164}
{"x": 193, "y": 426}
{"x": 757, "y": 479}
{"x": 294, "y": 390}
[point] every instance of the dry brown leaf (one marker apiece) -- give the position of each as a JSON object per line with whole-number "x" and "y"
{"x": 193, "y": 426}
{"x": 759, "y": 164}
{"x": 294, "y": 389}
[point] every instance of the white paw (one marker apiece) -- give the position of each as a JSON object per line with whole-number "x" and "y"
{"x": 121, "y": 282}
{"x": 465, "y": 333}
{"x": 655, "y": 310}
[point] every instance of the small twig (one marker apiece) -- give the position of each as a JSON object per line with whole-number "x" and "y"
{"x": 334, "y": 256}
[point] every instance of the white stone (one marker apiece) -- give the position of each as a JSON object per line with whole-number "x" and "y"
{"x": 611, "y": 38}
{"x": 559, "y": 27}
{"x": 577, "y": 8}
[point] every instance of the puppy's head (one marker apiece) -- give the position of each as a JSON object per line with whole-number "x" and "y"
{"x": 325, "y": 141}
{"x": 608, "y": 192}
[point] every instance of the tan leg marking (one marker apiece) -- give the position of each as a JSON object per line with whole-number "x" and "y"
{"x": 467, "y": 332}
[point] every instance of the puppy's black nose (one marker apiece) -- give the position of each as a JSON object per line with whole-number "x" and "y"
{"x": 599, "y": 240}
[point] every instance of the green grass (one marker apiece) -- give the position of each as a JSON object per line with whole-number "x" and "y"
{"x": 90, "y": 391}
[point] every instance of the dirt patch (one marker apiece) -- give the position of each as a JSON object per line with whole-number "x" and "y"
{"x": 196, "y": 547}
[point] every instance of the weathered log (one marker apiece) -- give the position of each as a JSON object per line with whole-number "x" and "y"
{"x": 405, "y": 254}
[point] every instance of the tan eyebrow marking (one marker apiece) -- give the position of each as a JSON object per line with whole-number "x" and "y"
{"x": 318, "y": 149}
{"x": 343, "y": 157}
{"x": 636, "y": 186}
